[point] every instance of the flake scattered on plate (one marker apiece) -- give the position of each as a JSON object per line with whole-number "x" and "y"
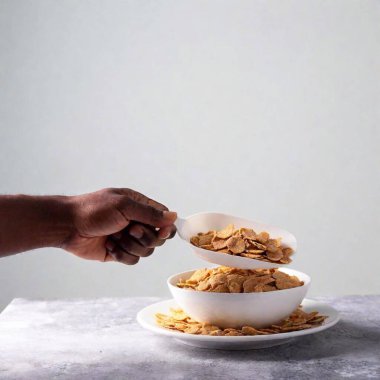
{"x": 146, "y": 318}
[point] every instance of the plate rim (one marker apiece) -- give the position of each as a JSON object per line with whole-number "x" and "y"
{"x": 246, "y": 338}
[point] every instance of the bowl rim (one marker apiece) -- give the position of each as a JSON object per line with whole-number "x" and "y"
{"x": 265, "y": 225}
{"x": 234, "y": 216}
{"x": 306, "y": 284}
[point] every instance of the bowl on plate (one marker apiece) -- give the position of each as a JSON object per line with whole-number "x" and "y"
{"x": 239, "y": 309}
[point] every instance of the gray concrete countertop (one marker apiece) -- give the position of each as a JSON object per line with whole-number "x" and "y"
{"x": 100, "y": 339}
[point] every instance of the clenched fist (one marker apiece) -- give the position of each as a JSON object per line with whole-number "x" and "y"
{"x": 118, "y": 225}
{"x": 107, "y": 225}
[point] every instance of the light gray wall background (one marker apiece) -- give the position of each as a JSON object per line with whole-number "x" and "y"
{"x": 264, "y": 109}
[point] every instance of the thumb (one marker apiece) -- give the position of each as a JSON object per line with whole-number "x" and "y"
{"x": 147, "y": 214}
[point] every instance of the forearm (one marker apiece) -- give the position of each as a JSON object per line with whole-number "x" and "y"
{"x": 30, "y": 222}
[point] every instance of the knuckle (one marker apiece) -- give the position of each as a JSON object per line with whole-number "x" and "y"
{"x": 150, "y": 241}
{"x": 121, "y": 201}
{"x": 132, "y": 260}
{"x": 128, "y": 203}
{"x": 119, "y": 256}
{"x": 148, "y": 252}
{"x": 132, "y": 247}
{"x": 124, "y": 205}
{"x": 160, "y": 242}
{"x": 108, "y": 190}
{"x": 172, "y": 233}
{"x": 156, "y": 214}
{"x": 157, "y": 205}
{"x": 122, "y": 243}
{"x": 137, "y": 231}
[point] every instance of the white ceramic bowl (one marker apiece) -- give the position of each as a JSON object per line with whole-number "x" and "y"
{"x": 206, "y": 221}
{"x": 239, "y": 309}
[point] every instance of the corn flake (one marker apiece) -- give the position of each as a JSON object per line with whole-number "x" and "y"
{"x": 236, "y": 245}
{"x": 226, "y": 232}
{"x": 233, "y": 280}
{"x": 244, "y": 242}
{"x": 178, "y": 320}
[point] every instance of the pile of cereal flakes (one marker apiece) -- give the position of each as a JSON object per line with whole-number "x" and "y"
{"x": 244, "y": 242}
{"x": 179, "y": 321}
{"x": 234, "y": 280}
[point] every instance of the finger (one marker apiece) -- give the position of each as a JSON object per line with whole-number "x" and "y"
{"x": 119, "y": 255}
{"x": 146, "y": 214}
{"x": 132, "y": 246}
{"x": 145, "y": 235}
{"x": 167, "y": 232}
{"x": 141, "y": 198}
{"x": 116, "y": 253}
{"x": 108, "y": 258}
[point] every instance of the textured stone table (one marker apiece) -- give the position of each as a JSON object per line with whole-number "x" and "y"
{"x": 100, "y": 339}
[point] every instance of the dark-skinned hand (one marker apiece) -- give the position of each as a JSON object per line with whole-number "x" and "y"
{"x": 118, "y": 225}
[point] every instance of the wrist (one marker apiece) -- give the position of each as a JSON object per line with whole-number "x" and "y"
{"x": 60, "y": 219}
{"x": 30, "y": 222}
{"x": 51, "y": 217}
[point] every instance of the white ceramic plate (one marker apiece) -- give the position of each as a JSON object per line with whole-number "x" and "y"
{"x": 146, "y": 319}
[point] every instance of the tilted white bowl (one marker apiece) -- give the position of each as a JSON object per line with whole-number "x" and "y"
{"x": 239, "y": 309}
{"x": 205, "y": 221}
